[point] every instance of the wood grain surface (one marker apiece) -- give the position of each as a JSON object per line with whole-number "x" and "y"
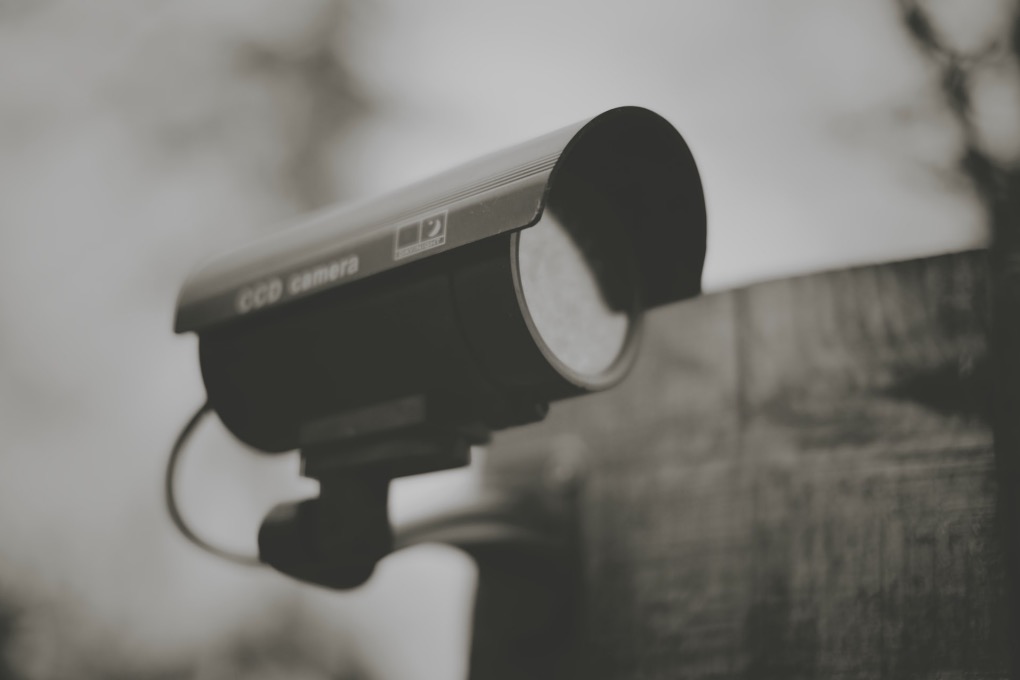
{"x": 796, "y": 481}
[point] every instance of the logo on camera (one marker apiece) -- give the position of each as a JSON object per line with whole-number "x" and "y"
{"x": 418, "y": 237}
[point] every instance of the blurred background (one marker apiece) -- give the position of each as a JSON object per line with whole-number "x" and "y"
{"x": 138, "y": 137}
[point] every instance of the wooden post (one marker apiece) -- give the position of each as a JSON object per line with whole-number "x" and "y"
{"x": 798, "y": 481}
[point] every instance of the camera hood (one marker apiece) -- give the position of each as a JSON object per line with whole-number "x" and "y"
{"x": 630, "y": 156}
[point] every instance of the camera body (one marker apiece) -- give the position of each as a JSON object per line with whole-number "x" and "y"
{"x": 386, "y": 338}
{"x": 444, "y": 307}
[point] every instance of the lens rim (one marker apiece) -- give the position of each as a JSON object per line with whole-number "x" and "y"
{"x": 625, "y": 358}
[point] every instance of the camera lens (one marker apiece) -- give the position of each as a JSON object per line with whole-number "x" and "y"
{"x": 578, "y": 289}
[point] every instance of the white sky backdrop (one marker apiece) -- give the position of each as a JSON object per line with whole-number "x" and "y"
{"x": 815, "y": 124}
{"x": 135, "y": 139}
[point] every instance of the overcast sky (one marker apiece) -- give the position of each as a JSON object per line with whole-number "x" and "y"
{"x": 816, "y": 125}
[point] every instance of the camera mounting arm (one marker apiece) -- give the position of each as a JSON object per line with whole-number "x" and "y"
{"x": 336, "y": 539}
{"x": 523, "y": 539}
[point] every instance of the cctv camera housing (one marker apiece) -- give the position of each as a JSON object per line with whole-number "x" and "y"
{"x": 408, "y": 313}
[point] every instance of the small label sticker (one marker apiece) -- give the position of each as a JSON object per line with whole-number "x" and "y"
{"x": 412, "y": 239}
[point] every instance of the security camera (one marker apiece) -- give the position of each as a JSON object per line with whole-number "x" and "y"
{"x": 385, "y": 338}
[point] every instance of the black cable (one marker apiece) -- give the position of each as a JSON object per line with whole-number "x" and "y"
{"x": 171, "y": 501}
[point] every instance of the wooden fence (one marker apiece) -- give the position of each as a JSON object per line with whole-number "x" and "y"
{"x": 797, "y": 481}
